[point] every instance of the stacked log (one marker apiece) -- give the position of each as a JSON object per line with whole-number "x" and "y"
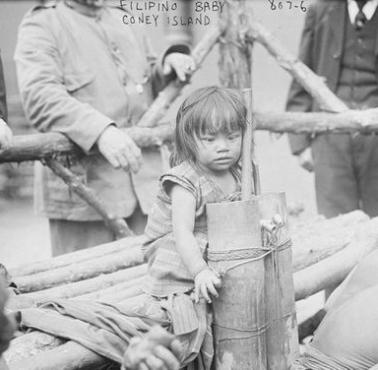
{"x": 324, "y": 251}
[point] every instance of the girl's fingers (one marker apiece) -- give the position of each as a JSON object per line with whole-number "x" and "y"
{"x": 168, "y": 358}
{"x": 177, "y": 348}
{"x": 196, "y": 293}
{"x": 212, "y": 290}
{"x": 155, "y": 363}
{"x": 204, "y": 293}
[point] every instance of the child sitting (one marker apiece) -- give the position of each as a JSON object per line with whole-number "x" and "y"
{"x": 208, "y": 136}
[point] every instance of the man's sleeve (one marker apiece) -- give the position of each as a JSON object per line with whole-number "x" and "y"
{"x": 3, "y": 100}
{"x": 299, "y": 100}
{"x": 42, "y": 83}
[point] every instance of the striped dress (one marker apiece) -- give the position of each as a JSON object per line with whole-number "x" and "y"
{"x": 167, "y": 273}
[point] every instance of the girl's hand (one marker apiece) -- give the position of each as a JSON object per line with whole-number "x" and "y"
{"x": 205, "y": 283}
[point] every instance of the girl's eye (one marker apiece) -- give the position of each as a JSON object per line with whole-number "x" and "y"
{"x": 233, "y": 136}
{"x": 208, "y": 139}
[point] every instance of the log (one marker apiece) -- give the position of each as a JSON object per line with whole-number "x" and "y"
{"x": 30, "y": 345}
{"x": 78, "y": 256}
{"x": 39, "y": 146}
{"x": 315, "y": 240}
{"x": 115, "y": 292}
{"x": 80, "y": 271}
{"x": 332, "y": 270}
{"x": 313, "y": 84}
{"x": 76, "y": 289}
{"x": 165, "y": 98}
{"x": 362, "y": 121}
{"x": 118, "y": 226}
{"x": 234, "y": 54}
{"x": 69, "y": 356}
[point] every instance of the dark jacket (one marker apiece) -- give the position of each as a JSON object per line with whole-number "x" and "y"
{"x": 3, "y": 101}
{"x": 320, "y": 49}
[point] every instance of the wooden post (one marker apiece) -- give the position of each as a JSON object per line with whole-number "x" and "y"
{"x": 281, "y": 335}
{"x": 239, "y": 312}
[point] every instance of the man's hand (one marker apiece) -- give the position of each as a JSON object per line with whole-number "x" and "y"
{"x": 183, "y": 65}
{"x": 205, "y": 284}
{"x": 305, "y": 160}
{"x": 5, "y": 135}
{"x": 158, "y": 350}
{"x": 119, "y": 149}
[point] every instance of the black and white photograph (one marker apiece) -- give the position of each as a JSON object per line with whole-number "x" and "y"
{"x": 188, "y": 184}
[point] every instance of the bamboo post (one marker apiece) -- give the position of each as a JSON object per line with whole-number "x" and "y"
{"x": 117, "y": 225}
{"x": 247, "y": 170}
{"x": 239, "y": 312}
{"x": 281, "y": 335}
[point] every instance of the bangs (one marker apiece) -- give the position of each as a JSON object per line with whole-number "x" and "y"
{"x": 219, "y": 112}
{"x": 209, "y": 110}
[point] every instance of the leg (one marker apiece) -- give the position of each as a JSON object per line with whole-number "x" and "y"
{"x": 335, "y": 179}
{"x": 366, "y": 157}
{"x": 137, "y": 221}
{"x": 69, "y": 236}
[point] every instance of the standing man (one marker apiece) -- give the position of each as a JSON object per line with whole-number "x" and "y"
{"x": 5, "y": 132}
{"x": 86, "y": 74}
{"x": 340, "y": 43}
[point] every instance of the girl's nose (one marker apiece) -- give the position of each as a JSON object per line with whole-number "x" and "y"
{"x": 222, "y": 144}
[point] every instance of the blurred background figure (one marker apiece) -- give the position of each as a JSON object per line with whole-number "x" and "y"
{"x": 340, "y": 43}
{"x": 93, "y": 86}
{"x": 5, "y": 132}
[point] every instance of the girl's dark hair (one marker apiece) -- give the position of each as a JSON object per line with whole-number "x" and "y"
{"x": 207, "y": 110}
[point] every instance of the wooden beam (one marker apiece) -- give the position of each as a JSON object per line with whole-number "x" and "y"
{"x": 351, "y": 121}
{"x": 77, "y": 288}
{"x": 313, "y": 84}
{"x": 77, "y": 257}
{"x": 117, "y": 226}
{"x": 40, "y": 146}
{"x": 80, "y": 270}
{"x": 316, "y": 239}
{"x": 332, "y": 270}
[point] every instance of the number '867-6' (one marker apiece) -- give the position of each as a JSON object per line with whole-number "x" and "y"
{"x": 274, "y": 5}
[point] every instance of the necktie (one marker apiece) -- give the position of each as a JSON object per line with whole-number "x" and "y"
{"x": 360, "y": 19}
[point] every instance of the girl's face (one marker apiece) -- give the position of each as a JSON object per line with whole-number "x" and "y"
{"x": 218, "y": 152}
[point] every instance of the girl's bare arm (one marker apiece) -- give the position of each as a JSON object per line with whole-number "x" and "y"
{"x": 183, "y": 215}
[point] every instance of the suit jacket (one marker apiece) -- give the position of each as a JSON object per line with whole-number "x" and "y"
{"x": 321, "y": 49}
{"x": 3, "y": 101}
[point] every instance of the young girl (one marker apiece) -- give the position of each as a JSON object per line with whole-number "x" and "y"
{"x": 209, "y": 128}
